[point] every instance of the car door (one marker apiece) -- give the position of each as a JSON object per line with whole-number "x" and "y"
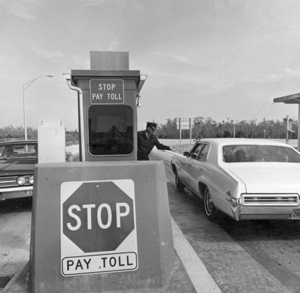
{"x": 198, "y": 167}
{"x": 183, "y": 171}
{"x": 191, "y": 160}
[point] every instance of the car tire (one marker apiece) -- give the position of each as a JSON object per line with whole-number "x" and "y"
{"x": 179, "y": 185}
{"x": 210, "y": 210}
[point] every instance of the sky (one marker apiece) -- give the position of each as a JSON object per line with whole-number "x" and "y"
{"x": 219, "y": 59}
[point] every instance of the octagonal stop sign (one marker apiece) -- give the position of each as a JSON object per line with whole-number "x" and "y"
{"x": 98, "y": 227}
{"x": 98, "y": 216}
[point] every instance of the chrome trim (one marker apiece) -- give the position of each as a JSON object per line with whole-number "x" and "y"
{"x": 12, "y": 181}
{"x": 276, "y": 199}
{"x": 15, "y": 194}
{"x": 17, "y": 188}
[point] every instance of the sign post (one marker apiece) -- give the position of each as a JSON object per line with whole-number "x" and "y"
{"x": 184, "y": 124}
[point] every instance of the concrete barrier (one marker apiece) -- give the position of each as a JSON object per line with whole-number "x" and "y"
{"x": 100, "y": 226}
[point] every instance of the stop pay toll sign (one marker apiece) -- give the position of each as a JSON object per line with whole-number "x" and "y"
{"x": 106, "y": 91}
{"x": 98, "y": 227}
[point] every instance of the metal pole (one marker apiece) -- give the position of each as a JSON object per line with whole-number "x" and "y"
{"x": 81, "y": 124}
{"x": 25, "y": 86}
{"x": 223, "y": 128}
{"x": 287, "y": 129}
{"x": 180, "y": 131}
{"x": 24, "y": 114}
{"x": 298, "y": 145}
{"x": 190, "y": 124}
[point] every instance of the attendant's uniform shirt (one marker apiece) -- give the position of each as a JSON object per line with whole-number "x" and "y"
{"x": 146, "y": 142}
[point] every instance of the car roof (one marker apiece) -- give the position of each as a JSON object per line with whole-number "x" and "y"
{"x": 242, "y": 141}
{"x": 17, "y": 142}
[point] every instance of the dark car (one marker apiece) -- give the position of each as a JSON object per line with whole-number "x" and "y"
{"x": 17, "y": 160}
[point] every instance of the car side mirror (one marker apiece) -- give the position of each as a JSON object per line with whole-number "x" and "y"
{"x": 186, "y": 154}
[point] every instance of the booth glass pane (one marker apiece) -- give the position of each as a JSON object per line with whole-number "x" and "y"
{"x": 110, "y": 130}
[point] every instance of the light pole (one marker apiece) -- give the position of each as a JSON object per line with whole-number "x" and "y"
{"x": 234, "y": 127}
{"x": 25, "y": 86}
{"x": 223, "y": 128}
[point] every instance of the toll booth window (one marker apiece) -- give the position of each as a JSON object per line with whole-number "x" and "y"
{"x": 110, "y": 130}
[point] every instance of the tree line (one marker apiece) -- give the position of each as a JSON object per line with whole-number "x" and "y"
{"x": 11, "y": 132}
{"x": 201, "y": 128}
{"x": 209, "y": 128}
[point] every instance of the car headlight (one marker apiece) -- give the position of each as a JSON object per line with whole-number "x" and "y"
{"x": 21, "y": 180}
{"x": 31, "y": 180}
{"x": 25, "y": 180}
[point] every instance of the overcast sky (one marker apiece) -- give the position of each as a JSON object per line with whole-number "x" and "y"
{"x": 223, "y": 59}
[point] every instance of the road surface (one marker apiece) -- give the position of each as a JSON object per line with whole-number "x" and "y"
{"x": 241, "y": 257}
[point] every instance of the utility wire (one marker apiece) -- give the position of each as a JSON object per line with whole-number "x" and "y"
{"x": 276, "y": 85}
{"x": 294, "y": 88}
{"x": 291, "y": 92}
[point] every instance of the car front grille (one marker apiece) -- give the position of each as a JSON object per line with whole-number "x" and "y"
{"x": 270, "y": 199}
{"x": 11, "y": 181}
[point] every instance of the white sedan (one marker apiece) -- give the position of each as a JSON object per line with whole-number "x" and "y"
{"x": 243, "y": 178}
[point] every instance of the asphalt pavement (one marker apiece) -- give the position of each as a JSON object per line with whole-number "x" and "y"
{"x": 188, "y": 275}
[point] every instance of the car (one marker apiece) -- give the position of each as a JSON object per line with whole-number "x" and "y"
{"x": 17, "y": 160}
{"x": 246, "y": 179}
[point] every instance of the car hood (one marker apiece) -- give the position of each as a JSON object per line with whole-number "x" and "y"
{"x": 16, "y": 168}
{"x": 283, "y": 178}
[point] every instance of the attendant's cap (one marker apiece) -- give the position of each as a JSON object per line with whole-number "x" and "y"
{"x": 152, "y": 125}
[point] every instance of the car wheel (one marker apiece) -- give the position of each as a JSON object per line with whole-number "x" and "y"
{"x": 179, "y": 184}
{"x": 209, "y": 207}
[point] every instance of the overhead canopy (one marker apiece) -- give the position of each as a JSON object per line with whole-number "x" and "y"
{"x": 291, "y": 99}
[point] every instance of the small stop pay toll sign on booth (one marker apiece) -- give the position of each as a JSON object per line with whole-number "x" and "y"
{"x": 98, "y": 227}
{"x": 107, "y": 91}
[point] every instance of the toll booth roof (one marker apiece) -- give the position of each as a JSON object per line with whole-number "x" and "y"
{"x": 104, "y": 73}
{"x": 291, "y": 99}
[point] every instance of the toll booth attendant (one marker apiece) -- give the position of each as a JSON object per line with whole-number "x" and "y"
{"x": 147, "y": 140}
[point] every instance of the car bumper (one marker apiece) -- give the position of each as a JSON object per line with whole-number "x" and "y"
{"x": 10, "y": 193}
{"x": 265, "y": 213}
{"x": 266, "y": 206}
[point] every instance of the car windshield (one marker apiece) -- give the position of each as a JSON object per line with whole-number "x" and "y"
{"x": 259, "y": 153}
{"x": 13, "y": 152}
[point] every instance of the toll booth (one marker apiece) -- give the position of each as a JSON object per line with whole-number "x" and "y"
{"x": 102, "y": 224}
{"x": 108, "y": 108}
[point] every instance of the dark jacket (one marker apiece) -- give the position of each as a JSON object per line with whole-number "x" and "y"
{"x": 145, "y": 145}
